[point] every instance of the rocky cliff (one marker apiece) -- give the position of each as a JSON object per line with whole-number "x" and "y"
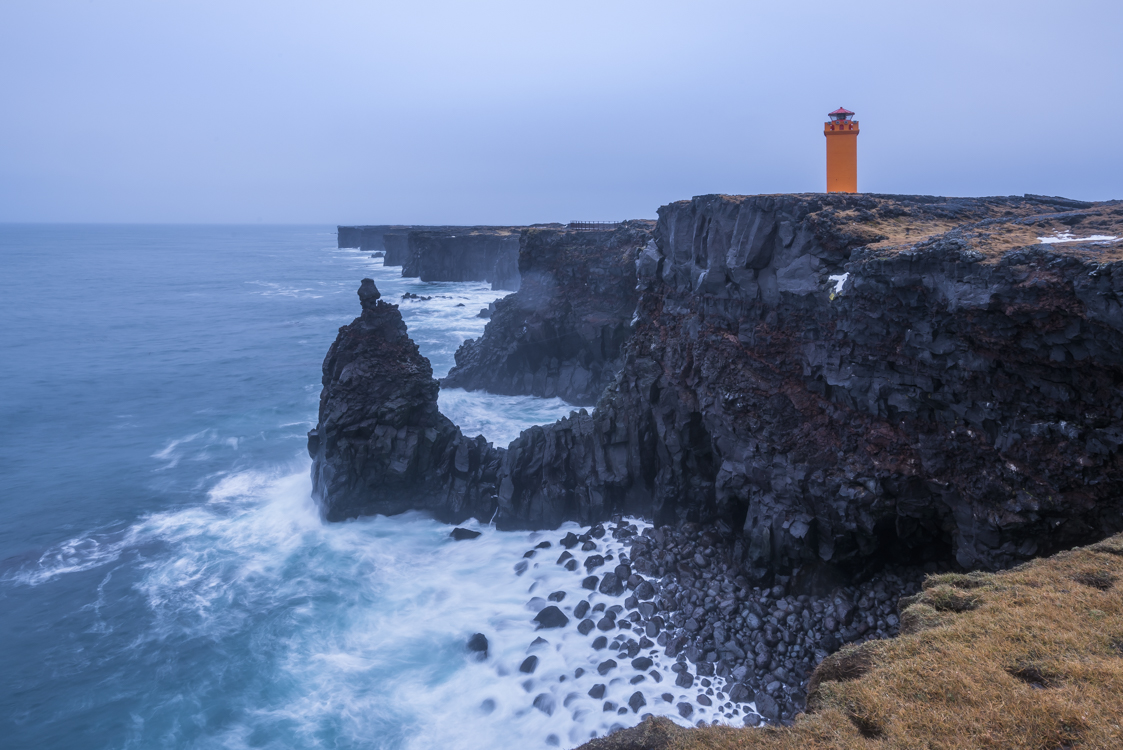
{"x": 397, "y": 248}
{"x": 381, "y": 445}
{"x": 464, "y": 254}
{"x": 369, "y": 237}
{"x": 563, "y": 333}
{"x": 842, "y": 380}
{"x": 444, "y": 253}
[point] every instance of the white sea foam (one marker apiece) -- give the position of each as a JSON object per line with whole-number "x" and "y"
{"x": 364, "y": 624}
{"x": 171, "y": 452}
{"x": 271, "y": 289}
{"x": 76, "y": 555}
{"x": 353, "y": 635}
{"x": 499, "y": 419}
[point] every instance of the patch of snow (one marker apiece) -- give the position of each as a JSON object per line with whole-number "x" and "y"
{"x": 839, "y": 279}
{"x": 1095, "y": 239}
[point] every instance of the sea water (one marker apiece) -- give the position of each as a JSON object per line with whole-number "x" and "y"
{"x": 165, "y": 579}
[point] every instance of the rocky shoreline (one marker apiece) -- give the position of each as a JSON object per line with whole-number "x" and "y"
{"x": 818, "y": 399}
{"x": 842, "y": 380}
{"x": 700, "y": 637}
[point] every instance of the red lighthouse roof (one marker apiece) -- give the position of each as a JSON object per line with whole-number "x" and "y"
{"x": 841, "y": 115}
{"x": 840, "y": 111}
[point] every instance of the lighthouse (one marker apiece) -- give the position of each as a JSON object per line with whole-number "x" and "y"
{"x": 842, "y": 151}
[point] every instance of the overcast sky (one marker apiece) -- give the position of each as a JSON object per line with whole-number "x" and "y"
{"x": 339, "y": 111}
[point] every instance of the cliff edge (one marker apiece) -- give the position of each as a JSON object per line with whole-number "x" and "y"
{"x": 563, "y": 332}
{"x": 842, "y": 380}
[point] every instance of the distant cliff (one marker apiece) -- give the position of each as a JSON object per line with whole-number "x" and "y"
{"x": 464, "y": 255}
{"x": 363, "y": 237}
{"x": 563, "y": 333}
{"x": 444, "y": 253}
{"x": 843, "y": 379}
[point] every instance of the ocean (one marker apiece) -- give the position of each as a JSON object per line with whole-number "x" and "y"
{"x": 165, "y": 578}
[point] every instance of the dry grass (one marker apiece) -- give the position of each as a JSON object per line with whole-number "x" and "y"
{"x": 995, "y": 240}
{"x": 1028, "y": 658}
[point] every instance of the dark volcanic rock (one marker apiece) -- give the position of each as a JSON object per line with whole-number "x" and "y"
{"x": 397, "y": 248}
{"x": 478, "y": 645}
{"x": 610, "y": 585}
{"x": 931, "y": 402}
{"x": 464, "y": 254}
{"x": 529, "y": 664}
{"x": 637, "y": 701}
{"x": 563, "y": 333}
{"x": 606, "y": 666}
{"x": 545, "y": 703}
{"x": 551, "y": 617}
{"x": 381, "y": 445}
{"x": 942, "y": 397}
{"x": 767, "y": 707}
{"x": 444, "y": 253}
{"x": 461, "y": 534}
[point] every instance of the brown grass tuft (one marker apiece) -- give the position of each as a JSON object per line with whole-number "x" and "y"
{"x": 848, "y": 663}
{"x": 1097, "y": 579}
{"x": 1033, "y": 675}
{"x": 949, "y": 599}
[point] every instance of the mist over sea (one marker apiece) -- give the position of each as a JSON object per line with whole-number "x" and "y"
{"x": 165, "y": 579}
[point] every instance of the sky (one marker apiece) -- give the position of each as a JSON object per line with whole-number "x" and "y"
{"x": 348, "y": 112}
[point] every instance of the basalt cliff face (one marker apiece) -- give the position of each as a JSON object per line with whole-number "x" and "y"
{"x": 381, "y": 445}
{"x": 838, "y": 380}
{"x": 397, "y": 248}
{"x": 464, "y": 255}
{"x": 563, "y": 333}
{"x": 444, "y": 253}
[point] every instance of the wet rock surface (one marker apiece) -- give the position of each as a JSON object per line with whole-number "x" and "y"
{"x": 381, "y": 445}
{"x": 805, "y": 378}
{"x": 443, "y": 253}
{"x": 707, "y": 646}
{"x": 464, "y": 254}
{"x": 563, "y": 333}
{"x": 838, "y": 393}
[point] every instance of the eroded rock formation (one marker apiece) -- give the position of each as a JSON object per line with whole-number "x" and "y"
{"x": 563, "y": 333}
{"x": 840, "y": 380}
{"x": 381, "y": 445}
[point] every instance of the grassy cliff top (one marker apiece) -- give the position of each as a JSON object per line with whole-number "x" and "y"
{"x": 1027, "y": 658}
{"x": 991, "y": 226}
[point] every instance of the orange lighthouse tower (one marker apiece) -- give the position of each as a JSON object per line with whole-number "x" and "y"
{"x": 842, "y": 151}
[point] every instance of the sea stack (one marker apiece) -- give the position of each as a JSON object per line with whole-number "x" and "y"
{"x": 381, "y": 446}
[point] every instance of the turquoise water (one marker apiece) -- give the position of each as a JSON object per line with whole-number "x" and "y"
{"x": 165, "y": 581}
